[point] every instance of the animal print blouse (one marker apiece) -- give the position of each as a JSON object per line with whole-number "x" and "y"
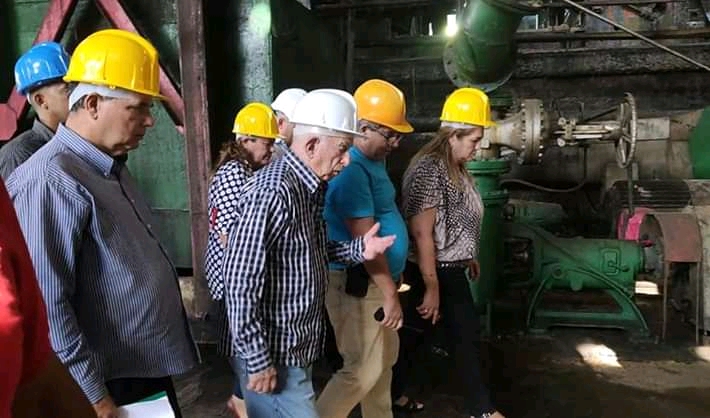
{"x": 457, "y": 228}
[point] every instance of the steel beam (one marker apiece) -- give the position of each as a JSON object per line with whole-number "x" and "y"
{"x": 395, "y": 4}
{"x": 545, "y": 63}
{"x": 193, "y": 73}
{"x": 637, "y": 35}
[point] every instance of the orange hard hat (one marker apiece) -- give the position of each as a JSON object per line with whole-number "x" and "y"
{"x": 381, "y": 102}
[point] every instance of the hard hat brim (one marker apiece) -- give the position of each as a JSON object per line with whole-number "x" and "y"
{"x": 156, "y": 96}
{"x": 404, "y": 128}
{"x": 333, "y": 130}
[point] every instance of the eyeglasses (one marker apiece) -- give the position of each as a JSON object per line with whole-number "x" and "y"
{"x": 389, "y": 135}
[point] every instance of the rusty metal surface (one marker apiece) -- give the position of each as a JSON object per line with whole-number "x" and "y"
{"x": 197, "y": 131}
{"x": 55, "y": 20}
{"x": 700, "y": 192}
{"x": 681, "y": 237}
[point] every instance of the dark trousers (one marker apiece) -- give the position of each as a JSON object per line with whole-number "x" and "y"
{"x": 133, "y": 389}
{"x": 460, "y": 327}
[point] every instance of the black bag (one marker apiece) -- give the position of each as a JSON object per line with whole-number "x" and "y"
{"x": 357, "y": 280}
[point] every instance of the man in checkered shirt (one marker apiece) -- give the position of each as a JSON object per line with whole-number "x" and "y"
{"x": 276, "y": 262}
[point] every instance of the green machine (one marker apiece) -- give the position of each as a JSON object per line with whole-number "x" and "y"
{"x": 516, "y": 233}
{"x": 516, "y": 249}
{"x": 486, "y": 174}
{"x": 577, "y": 264}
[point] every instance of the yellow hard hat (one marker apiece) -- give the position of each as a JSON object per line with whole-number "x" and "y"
{"x": 117, "y": 59}
{"x": 467, "y": 106}
{"x": 381, "y": 102}
{"x": 256, "y": 119}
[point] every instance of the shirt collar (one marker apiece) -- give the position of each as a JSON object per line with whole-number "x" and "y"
{"x": 102, "y": 162}
{"x": 42, "y": 129}
{"x": 305, "y": 174}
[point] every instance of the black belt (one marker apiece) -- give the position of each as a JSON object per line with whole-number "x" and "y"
{"x": 452, "y": 264}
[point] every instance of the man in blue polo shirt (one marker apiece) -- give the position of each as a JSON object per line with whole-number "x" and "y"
{"x": 356, "y": 199}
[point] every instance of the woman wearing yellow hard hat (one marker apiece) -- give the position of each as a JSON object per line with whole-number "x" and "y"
{"x": 444, "y": 211}
{"x": 255, "y": 130}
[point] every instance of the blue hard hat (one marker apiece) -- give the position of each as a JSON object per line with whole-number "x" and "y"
{"x": 44, "y": 63}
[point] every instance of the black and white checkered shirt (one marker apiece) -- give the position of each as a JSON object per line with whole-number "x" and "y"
{"x": 224, "y": 190}
{"x": 276, "y": 264}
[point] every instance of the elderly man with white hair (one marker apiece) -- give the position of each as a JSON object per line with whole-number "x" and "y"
{"x": 276, "y": 264}
{"x": 115, "y": 311}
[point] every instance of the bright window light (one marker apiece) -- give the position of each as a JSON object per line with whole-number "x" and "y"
{"x": 451, "y": 25}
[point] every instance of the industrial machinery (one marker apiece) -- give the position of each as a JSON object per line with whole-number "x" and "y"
{"x": 520, "y": 250}
{"x": 552, "y": 262}
{"x": 658, "y": 224}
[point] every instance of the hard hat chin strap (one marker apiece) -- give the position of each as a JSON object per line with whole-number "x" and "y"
{"x": 84, "y": 89}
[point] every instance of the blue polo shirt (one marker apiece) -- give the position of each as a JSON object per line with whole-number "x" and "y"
{"x": 363, "y": 189}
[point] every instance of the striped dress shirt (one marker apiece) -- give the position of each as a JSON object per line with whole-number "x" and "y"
{"x": 276, "y": 266}
{"x": 112, "y": 295}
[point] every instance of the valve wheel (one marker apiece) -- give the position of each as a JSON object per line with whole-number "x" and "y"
{"x": 628, "y": 124}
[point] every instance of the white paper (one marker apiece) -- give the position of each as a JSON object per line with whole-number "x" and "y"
{"x": 157, "y": 408}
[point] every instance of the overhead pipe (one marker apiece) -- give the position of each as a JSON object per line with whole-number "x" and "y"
{"x": 482, "y": 54}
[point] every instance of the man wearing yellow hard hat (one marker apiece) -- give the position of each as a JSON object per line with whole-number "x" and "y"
{"x": 114, "y": 306}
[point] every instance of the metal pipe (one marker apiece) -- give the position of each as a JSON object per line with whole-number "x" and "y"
{"x": 483, "y": 52}
{"x": 637, "y": 35}
{"x": 539, "y": 36}
{"x": 535, "y": 37}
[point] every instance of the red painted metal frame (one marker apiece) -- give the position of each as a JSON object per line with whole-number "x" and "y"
{"x": 116, "y": 14}
{"x": 55, "y": 21}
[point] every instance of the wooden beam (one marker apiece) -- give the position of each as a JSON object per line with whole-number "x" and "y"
{"x": 191, "y": 31}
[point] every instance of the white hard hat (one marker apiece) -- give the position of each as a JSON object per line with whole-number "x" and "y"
{"x": 286, "y": 101}
{"x": 331, "y": 109}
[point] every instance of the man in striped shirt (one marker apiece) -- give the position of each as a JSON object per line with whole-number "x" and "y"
{"x": 115, "y": 311}
{"x": 276, "y": 263}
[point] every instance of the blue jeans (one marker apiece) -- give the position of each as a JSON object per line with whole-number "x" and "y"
{"x": 237, "y": 388}
{"x": 293, "y": 397}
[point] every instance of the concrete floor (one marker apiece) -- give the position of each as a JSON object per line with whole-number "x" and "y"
{"x": 566, "y": 373}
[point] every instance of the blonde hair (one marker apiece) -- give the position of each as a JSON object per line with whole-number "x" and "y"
{"x": 440, "y": 148}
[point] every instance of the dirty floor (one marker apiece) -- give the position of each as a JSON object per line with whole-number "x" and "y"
{"x": 565, "y": 373}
